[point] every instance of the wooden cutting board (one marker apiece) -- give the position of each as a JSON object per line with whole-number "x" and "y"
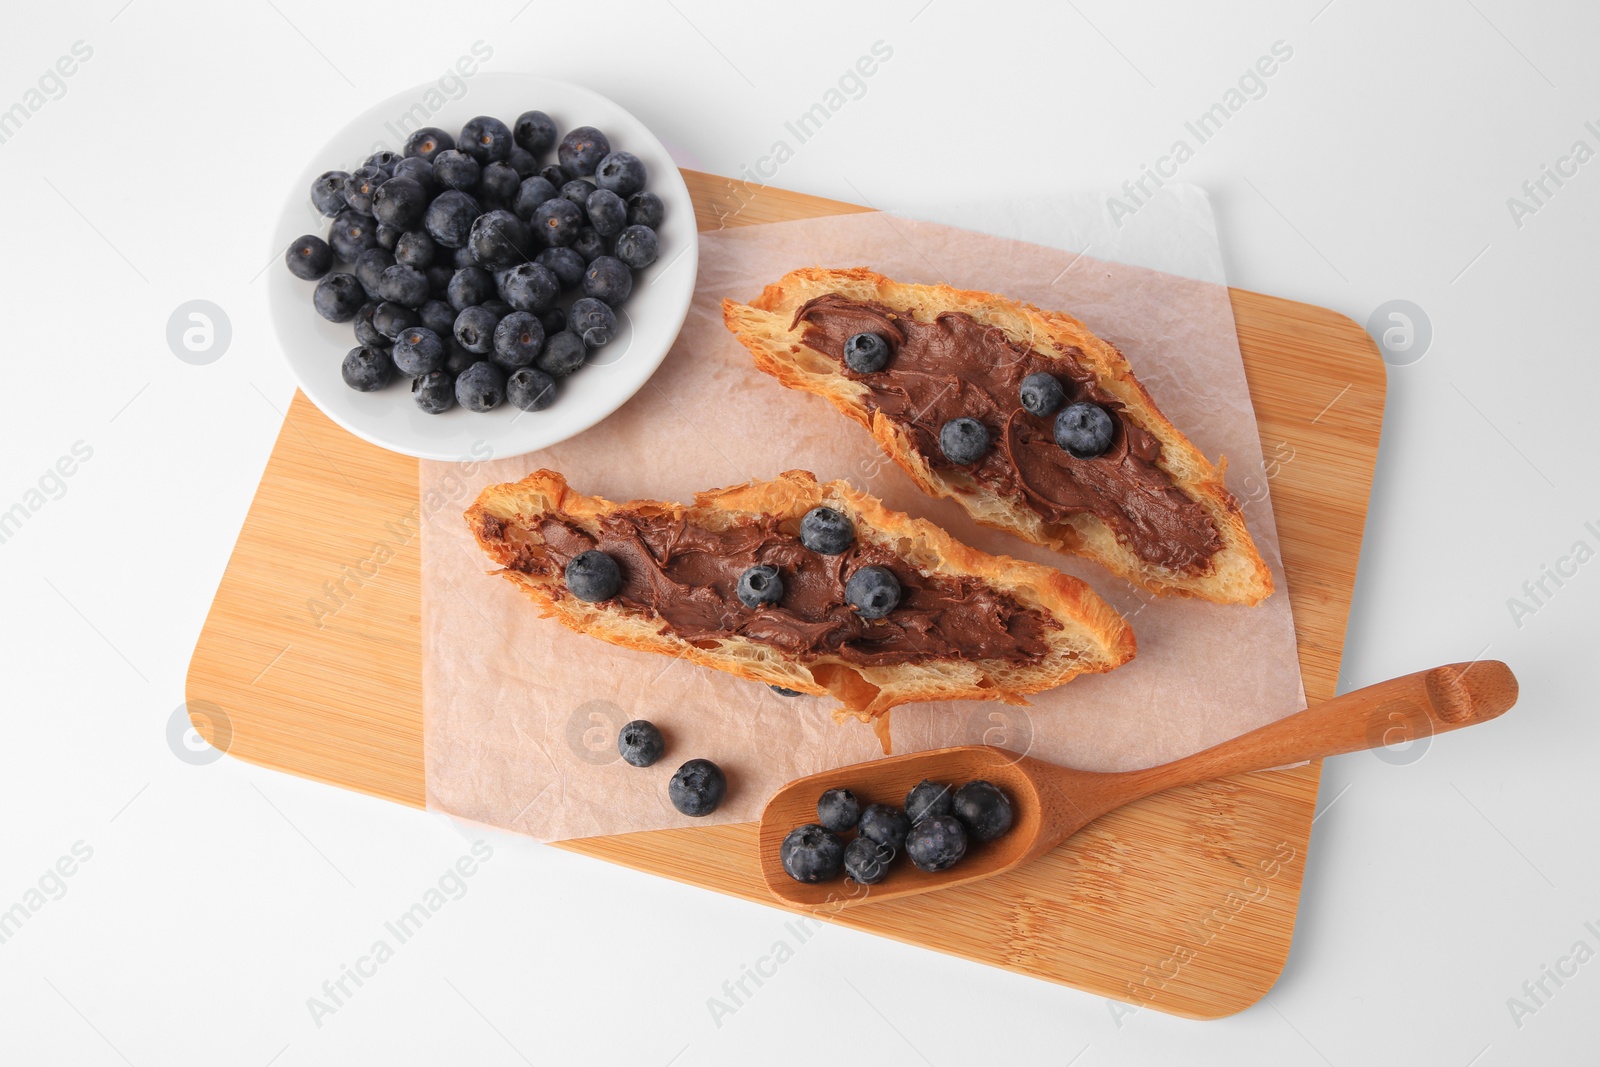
{"x": 1184, "y": 902}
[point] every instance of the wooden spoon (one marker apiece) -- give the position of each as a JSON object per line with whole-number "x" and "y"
{"x": 1052, "y": 803}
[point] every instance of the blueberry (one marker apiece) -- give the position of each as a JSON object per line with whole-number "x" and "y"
{"x": 457, "y": 360}
{"x": 640, "y": 743}
{"x": 621, "y": 172}
{"x": 369, "y": 268}
{"x": 608, "y": 212}
{"x": 439, "y": 317}
{"x": 588, "y": 245}
{"x": 529, "y": 287}
{"x": 1042, "y": 394}
{"x": 383, "y": 160}
{"x": 399, "y": 202}
{"x": 415, "y": 249}
{"x": 838, "y": 810}
{"x": 936, "y": 843}
{"x": 556, "y": 175}
{"x": 428, "y": 142}
{"x": 1084, "y": 429}
{"x": 577, "y": 191}
{"x": 565, "y": 264}
{"x": 760, "y": 585}
{"x": 594, "y": 576}
{"x": 462, "y": 258}
{"x": 518, "y": 339}
{"x": 419, "y": 171}
{"x": 523, "y": 162}
{"x": 593, "y": 320}
{"x": 456, "y": 170}
{"x": 475, "y": 328}
{"x": 450, "y": 217}
{"x": 499, "y": 308}
{"x": 697, "y": 788}
{"x": 481, "y": 387}
{"x": 469, "y": 287}
{"x": 873, "y": 591}
{"x": 811, "y": 854}
{"x": 582, "y": 149}
{"x": 928, "y": 798}
{"x": 558, "y": 221}
{"x": 351, "y": 234}
{"x": 564, "y": 352}
{"x": 366, "y": 370}
{"x": 888, "y": 826}
{"x": 866, "y": 861}
{"x": 499, "y": 182}
{"x": 646, "y": 209}
{"x": 499, "y": 239}
{"x": 309, "y": 257}
{"x": 983, "y": 809}
{"x": 486, "y": 139}
{"x": 403, "y": 285}
{"x": 636, "y": 246}
{"x": 531, "y": 389}
{"x": 439, "y": 275}
{"x": 360, "y": 187}
{"x": 530, "y": 194}
{"x": 866, "y": 353}
{"x": 535, "y": 391}
{"x": 434, "y": 393}
{"x": 390, "y": 319}
{"x": 327, "y": 192}
{"x": 607, "y": 279}
{"x": 388, "y": 236}
{"x": 783, "y": 692}
{"x": 554, "y": 320}
{"x": 964, "y": 441}
{"x": 534, "y": 132}
{"x": 367, "y": 334}
{"x": 418, "y": 351}
{"x": 338, "y": 297}
{"x": 826, "y": 531}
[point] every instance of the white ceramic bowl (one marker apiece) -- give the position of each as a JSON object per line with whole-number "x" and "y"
{"x": 649, "y": 319}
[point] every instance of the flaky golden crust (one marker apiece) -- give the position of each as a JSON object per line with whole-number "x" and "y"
{"x": 1092, "y": 638}
{"x": 1236, "y": 573}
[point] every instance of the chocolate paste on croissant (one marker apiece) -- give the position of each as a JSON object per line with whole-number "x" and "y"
{"x": 687, "y": 574}
{"x": 955, "y": 366}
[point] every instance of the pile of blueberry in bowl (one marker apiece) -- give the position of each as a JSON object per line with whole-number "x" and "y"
{"x": 934, "y": 830}
{"x": 474, "y": 267}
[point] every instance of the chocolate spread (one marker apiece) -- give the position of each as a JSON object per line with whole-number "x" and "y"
{"x": 687, "y": 576}
{"x": 956, "y": 366}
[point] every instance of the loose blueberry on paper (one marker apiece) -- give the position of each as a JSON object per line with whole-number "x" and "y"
{"x": 640, "y": 743}
{"x": 486, "y": 227}
{"x": 697, "y": 788}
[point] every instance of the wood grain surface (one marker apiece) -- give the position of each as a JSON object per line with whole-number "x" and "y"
{"x": 310, "y": 663}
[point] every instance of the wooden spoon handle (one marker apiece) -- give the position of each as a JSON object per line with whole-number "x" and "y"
{"x": 1410, "y": 708}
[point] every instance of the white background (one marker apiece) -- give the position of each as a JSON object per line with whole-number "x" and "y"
{"x": 1376, "y": 166}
